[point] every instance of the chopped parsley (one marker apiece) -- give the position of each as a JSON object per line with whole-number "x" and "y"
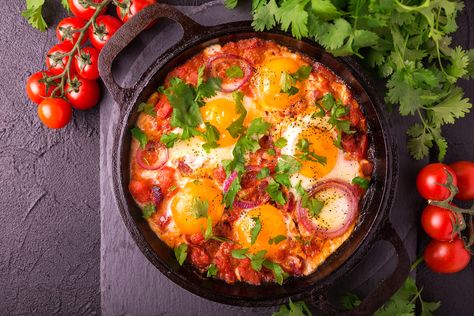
{"x": 200, "y": 207}
{"x": 255, "y": 230}
{"x": 281, "y": 142}
{"x": 277, "y": 239}
{"x": 256, "y": 260}
{"x": 264, "y": 172}
{"x": 303, "y": 146}
{"x": 314, "y": 206}
{"x": 148, "y": 210}
{"x": 294, "y": 308}
{"x": 361, "y": 182}
{"x": 169, "y": 139}
{"x": 211, "y": 136}
{"x": 147, "y": 109}
{"x": 181, "y": 252}
{"x": 239, "y": 253}
{"x": 287, "y": 80}
{"x": 278, "y": 272}
{"x": 234, "y": 72}
{"x": 273, "y": 189}
{"x": 212, "y": 270}
{"x": 140, "y": 136}
{"x": 237, "y": 127}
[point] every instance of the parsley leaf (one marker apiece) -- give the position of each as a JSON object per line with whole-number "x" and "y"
{"x": 234, "y": 71}
{"x": 211, "y": 136}
{"x": 229, "y": 196}
{"x": 264, "y": 172}
{"x": 361, "y": 182}
{"x": 147, "y": 108}
{"x": 237, "y": 127}
{"x": 281, "y": 142}
{"x": 276, "y": 240}
{"x": 239, "y": 253}
{"x": 278, "y": 272}
{"x": 200, "y": 207}
{"x": 257, "y": 226}
{"x": 181, "y": 252}
{"x": 33, "y": 14}
{"x": 169, "y": 139}
{"x": 256, "y": 260}
{"x": 287, "y": 164}
{"x": 140, "y": 136}
{"x": 148, "y": 210}
{"x": 212, "y": 270}
{"x": 273, "y": 189}
{"x": 298, "y": 308}
{"x": 313, "y": 205}
{"x": 287, "y": 80}
{"x": 303, "y": 145}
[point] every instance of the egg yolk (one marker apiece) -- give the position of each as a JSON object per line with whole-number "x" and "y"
{"x": 268, "y": 83}
{"x": 194, "y": 203}
{"x": 321, "y": 142}
{"x": 221, "y": 113}
{"x": 272, "y": 225}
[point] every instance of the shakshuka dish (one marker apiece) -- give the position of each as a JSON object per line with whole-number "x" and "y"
{"x": 250, "y": 161}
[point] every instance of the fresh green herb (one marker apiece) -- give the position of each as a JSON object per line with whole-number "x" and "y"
{"x": 147, "y": 109}
{"x": 408, "y": 42}
{"x": 239, "y": 253}
{"x": 313, "y": 205}
{"x": 287, "y": 80}
{"x": 200, "y": 207}
{"x": 181, "y": 252}
{"x": 65, "y": 5}
{"x": 336, "y": 111}
{"x": 264, "y": 172}
{"x": 208, "y": 232}
{"x": 148, "y": 210}
{"x": 298, "y": 308}
{"x": 169, "y": 139}
{"x": 237, "y": 127}
{"x": 361, "y": 182}
{"x": 256, "y": 260}
{"x": 271, "y": 152}
{"x": 140, "y": 136}
{"x": 276, "y": 240}
{"x": 234, "y": 72}
{"x": 273, "y": 189}
{"x": 205, "y": 89}
{"x": 288, "y": 164}
{"x": 172, "y": 188}
{"x": 278, "y": 272}
{"x": 281, "y": 142}
{"x": 283, "y": 179}
{"x": 257, "y": 226}
{"x": 212, "y": 270}
{"x": 33, "y": 14}
{"x": 211, "y": 136}
{"x": 229, "y": 196}
{"x": 303, "y": 146}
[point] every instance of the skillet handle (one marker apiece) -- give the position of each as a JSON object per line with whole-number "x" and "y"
{"x": 384, "y": 290}
{"x": 132, "y": 29}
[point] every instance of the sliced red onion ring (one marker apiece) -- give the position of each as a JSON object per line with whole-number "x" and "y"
{"x": 153, "y": 148}
{"x": 244, "y": 63}
{"x": 228, "y": 181}
{"x": 157, "y": 195}
{"x": 353, "y": 209}
{"x": 244, "y": 205}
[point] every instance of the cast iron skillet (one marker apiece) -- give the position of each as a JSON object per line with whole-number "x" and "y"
{"x": 373, "y": 224}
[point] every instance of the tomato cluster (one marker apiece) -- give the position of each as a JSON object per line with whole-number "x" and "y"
{"x": 70, "y": 80}
{"x": 442, "y": 220}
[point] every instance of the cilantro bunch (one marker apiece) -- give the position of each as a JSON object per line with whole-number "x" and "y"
{"x": 406, "y": 41}
{"x": 33, "y": 13}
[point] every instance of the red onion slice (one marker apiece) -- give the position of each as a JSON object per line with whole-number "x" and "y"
{"x": 235, "y": 84}
{"x": 228, "y": 181}
{"x": 154, "y": 150}
{"x": 352, "y": 209}
{"x": 157, "y": 195}
{"x": 244, "y": 205}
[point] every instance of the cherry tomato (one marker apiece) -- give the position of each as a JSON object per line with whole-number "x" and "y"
{"x": 106, "y": 26}
{"x": 54, "y": 112}
{"x": 141, "y": 190}
{"x": 79, "y": 10}
{"x": 165, "y": 179}
{"x": 446, "y": 256}
{"x": 54, "y": 61}
{"x": 65, "y": 31}
{"x": 132, "y": 8}
{"x": 438, "y": 222}
{"x": 86, "y": 63}
{"x": 464, "y": 171}
{"x": 35, "y": 89}
{"x": 82, "y": 93}
{"x": 428, "y": 179}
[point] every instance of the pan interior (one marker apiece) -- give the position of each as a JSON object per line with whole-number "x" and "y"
{"x": 337, "y": 264}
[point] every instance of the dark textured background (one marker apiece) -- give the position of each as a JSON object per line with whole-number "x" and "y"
{"x": 49, "y": 198}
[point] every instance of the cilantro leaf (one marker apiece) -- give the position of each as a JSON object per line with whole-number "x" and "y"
{"x": 186, "y": 111}
{"x": 281, "y": 142}
{"x": 239, "y": 253}
{"x": 255, "y": 230}
{"x": 147, "y": 108}
{"x": 273, "y": 189}
{"x": 287, "y": 164}
{"x": 140, "y": 136}
{"x": 264, "y": 172}
{"x": 264, "y": 16}
{"x": 293, "y": 13}
{"x": 278, "y": 272}
{"x": 229, "y": 196}
{"x": 231, "y": 3}
{"x": 65, "y": 4}
{"x": 361, "y": 182}
{"x": 298, "y": 308}
{"x": 211, "y": 136}
{"x": 169, "y": 139}
{"x": 200, "y": 207}
{"x": 33, "y": 14}
{"x": 313, "y": 205}
{"x": 181, "y": 252}
{"x": 277, "y": 239}
{"x": 256, "y": 260}
{"x": 234, "y": 71}
{"x": 237, "y": 127}
{"x": 148, "y": 210}
{"x": 212, "y": 270}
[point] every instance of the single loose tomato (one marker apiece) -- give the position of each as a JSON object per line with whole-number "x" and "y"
{"x": 86, "y": 63}
{"x": 464, "y": 171}
{"x": 446, "y": 256}
{"x": 54, "y": 112}
{"x": 104, "y": 28}
{"x": 56, "y": 59}
{"x": 438, "y": 222}
{"x": 67, "y": 30}
{"x": 82, "y": 10}
{"x": 429, "y": 179}
{"x": 131, "y": 7}
{"x": 36, "y": 86}
{"x": 165, "y": 179}
{"x": 82, "y": 93}
{"x": 141, "y": 190}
